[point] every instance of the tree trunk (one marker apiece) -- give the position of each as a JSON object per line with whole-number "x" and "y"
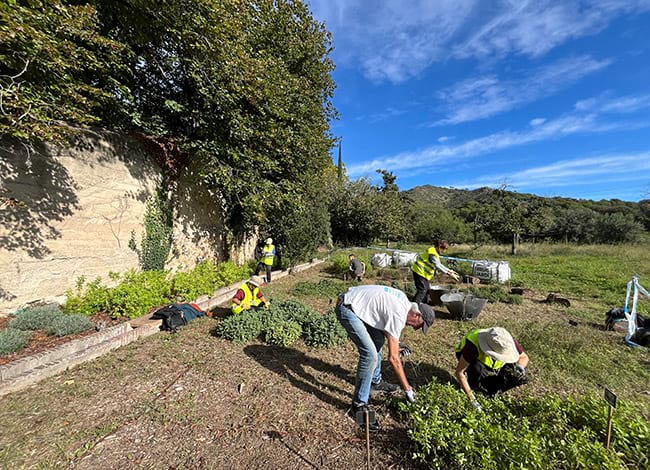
{"x": 514, "y": 244}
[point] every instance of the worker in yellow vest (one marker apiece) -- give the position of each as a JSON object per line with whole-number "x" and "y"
{"x": 425, "y": 267}
{"x": 249, "y": 296}
{"x": 490, "y": 361}
{"x": 266, "y": 260}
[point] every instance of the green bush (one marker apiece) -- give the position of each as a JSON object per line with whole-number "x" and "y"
{"x": 532, "y": 433}
{"x": 292, "y": 310}
{"x": 241, "y": 328}
{"x": 36, "y": 318}
{"x": 12, "y": 340}
{"x": 137, "y": 292}
{"x": 199, "y": 281}
{"x": 69, "y": 324}
{"x": 324, "y": 331}
{"x": 88, "y": 298}
{"x": 228, "y": 272}
{"x": 282, "y": 333}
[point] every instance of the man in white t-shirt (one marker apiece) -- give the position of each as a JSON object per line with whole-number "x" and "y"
{"x": 370, "y": 314}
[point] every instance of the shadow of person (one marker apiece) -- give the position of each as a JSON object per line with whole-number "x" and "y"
{"x": 307, "y": 373}
{"x": 221, "y": 312}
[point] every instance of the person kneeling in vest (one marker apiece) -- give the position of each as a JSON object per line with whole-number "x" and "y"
{"x": 490, "y": 361}
{"x": 249, "y": 296}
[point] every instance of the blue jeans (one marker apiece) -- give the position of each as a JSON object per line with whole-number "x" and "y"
{"x": 369, "y": 342}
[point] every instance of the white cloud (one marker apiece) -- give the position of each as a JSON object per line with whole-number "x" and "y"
{"x": 549, "y": 130}
{"x": 483, "y": 97}
{"x": 581, "y": 171}
{"x": 393, "y": 42}
{"x": 537, "y": 122}
{"x": 444, "y": 139}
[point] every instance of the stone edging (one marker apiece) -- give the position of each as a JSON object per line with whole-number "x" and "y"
{"x": 26, "y": 371}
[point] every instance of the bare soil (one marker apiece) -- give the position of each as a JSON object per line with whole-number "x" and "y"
{"x": 194, "y": 400}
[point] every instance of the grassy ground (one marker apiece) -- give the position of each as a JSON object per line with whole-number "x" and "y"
{"x": 193, "y": 400}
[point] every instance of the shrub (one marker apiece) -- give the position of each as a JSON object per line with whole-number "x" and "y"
{"x": 324, "y": 331}
{"x": 199, "y": 281}
{"x": 241, "y": 328}
{"x": 12, "y": 340}
{"x": 137, "y": 292}
{"x": 70, "y": 324}
{"x": 282, "y": 333}
{"x": 88, "y": 298}
{"x": 228, "y": 272}
{"x": 293, "y": 310}
{"x": 535, "y": 433}
{"x": 36, "y": 318}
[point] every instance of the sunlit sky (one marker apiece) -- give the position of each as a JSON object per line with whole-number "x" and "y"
{"x": 545, "y": 97}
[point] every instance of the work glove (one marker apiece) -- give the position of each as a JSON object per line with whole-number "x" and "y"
{"x": 410, "y": 395}
{"x": 477, "y": 405}
{"x": 520, "y": 370}
{"x": 404, "y": 350}
{"x": 454, "y": 275}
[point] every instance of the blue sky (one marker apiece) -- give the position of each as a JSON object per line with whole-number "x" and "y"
{"x": 546, "y": 97}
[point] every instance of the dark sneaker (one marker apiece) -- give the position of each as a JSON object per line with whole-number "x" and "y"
{"x": 360, "y": 418}
{"x": 384, "y": 387}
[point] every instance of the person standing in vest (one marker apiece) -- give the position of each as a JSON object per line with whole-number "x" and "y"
{"x": 490, "y": 361}
{"x": 268, "y": 256}
{"x": 370, "y": 314}
{"x": 425, "y": 267}
{"x": 249, "y": 296}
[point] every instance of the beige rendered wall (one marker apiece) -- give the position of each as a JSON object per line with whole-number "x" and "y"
{"x": 68, "y": 212}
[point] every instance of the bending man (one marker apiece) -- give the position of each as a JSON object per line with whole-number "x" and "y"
{"x": 370, "y": 314}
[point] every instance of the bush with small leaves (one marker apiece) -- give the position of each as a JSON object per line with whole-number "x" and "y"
{"x": 324, "y": 331}
{"x": 36, "y": 318}
{"x": 282, "y": 333}
{"x": 69, "y": 324}
{"x": 12, "y": 340}
{"x": 241, "y": 328}
{"x": 292, "y": 310}
{"x": 547, "y": 432}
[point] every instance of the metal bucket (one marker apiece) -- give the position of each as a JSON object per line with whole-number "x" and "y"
{"x": 436, "y": 292}
{"x": 463, "y": 306}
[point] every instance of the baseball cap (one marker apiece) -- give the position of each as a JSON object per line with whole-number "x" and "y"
{"x": 427, "y": 314}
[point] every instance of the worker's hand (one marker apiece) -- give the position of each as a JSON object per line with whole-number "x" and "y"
{"x": 455, "y": 276}
{"x": 404, "y": 350}
{"x": 477, "y": 405}
{"x": 410, "y": 395}
{"x": 267, "y": 305}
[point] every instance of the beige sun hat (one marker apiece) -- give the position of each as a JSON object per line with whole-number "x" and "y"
{"x": 498, "y": 344}
{"x": 268, "y": 241}
{"x": 256, "y": 281}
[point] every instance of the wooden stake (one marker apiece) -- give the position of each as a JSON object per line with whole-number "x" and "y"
{"x": 368, "y": 437}
{"x": 609, "y": 425}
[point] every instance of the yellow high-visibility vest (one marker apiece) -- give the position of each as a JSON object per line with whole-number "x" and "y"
{"x": 250, "y": 299}
{"x": 483, "y": 358}
{"x": 267, "y": 258}
{"x": 423, "y": 267}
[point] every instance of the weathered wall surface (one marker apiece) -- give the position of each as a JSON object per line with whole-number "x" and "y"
{"x": 68, "y": 212}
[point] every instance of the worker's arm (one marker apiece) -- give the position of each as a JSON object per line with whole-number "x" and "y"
{"x": 461, "y": 376}
{"x": 439, "y": 266}
{"x": 396, "y": 362}
{"x": 263, "y": 299}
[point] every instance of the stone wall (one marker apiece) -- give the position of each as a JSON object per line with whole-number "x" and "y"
{"x": 68, "y": 212}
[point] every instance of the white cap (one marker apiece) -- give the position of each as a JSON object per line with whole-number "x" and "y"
{"x": 268, "y": 241}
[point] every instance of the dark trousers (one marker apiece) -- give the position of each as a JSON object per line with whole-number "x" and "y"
{"x": 268, "y": 269}
{"x": 489, "y": 382}
{"x": 421, "y": 288}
